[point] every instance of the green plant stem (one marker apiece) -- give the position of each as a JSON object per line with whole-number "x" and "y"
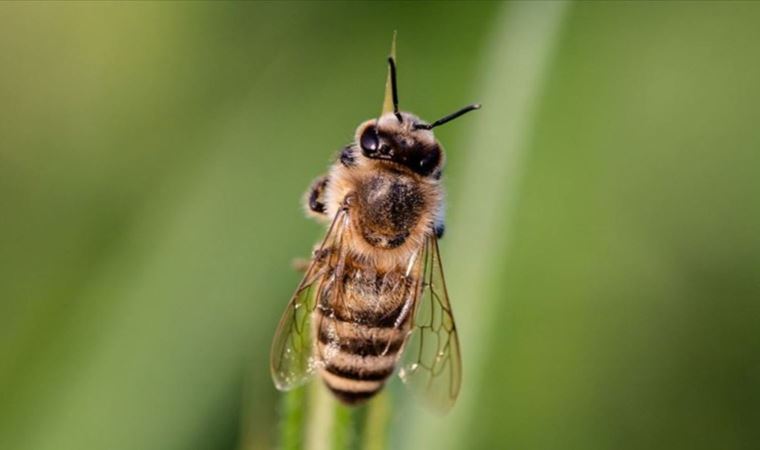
{"x": 349, "y": 426}
{"x": 292, "y": 419}
{"x": 320, "y": 418}
{"x": 316, "y": 421}
{"x": 376, "y": 423}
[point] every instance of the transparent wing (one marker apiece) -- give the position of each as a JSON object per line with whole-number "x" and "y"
{"x": 292, "y": 359}
{"x": 431, "y": 365}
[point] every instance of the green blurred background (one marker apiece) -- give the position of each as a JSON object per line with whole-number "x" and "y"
{"x": 602, "y": 248}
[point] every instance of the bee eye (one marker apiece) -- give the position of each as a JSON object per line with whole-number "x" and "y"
{"x": 369, "y": 140}
{"x": 429, "y": 162}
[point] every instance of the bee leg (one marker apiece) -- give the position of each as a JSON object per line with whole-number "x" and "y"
{"x": 314, "y": 200}
{"x": 439, "y": 230}
{"x": 318, "y": 256}
{"x": 401, "y": 320}
{"x": 300, "y": 264}
{"x": 347, "y": 200}
{"x": 318, "y": 259}
{"x": 347, "y": 156}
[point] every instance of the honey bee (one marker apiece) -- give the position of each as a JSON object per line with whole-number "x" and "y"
{"x": 374, "y": 289}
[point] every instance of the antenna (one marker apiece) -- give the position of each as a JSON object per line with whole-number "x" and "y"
{"x": 394, "y": 89}
{"x": 390, "y": 101}
{"x": 449, "y": 118}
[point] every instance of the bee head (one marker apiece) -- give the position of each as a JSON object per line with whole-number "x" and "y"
{"x": 388, "y": 139}
{"x": 403, "y": 138}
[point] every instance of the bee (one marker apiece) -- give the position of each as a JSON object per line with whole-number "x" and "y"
{"x": 373, "y": 297}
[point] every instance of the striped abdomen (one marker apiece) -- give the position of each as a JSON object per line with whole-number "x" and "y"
{"x": 360, "y": 327}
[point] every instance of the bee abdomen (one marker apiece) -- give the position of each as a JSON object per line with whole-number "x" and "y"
{"x": 351, "y": 397}
{"x": 357, "y": 379}
{"x": 370, "y": 344}
{"x": 357, "y": 358}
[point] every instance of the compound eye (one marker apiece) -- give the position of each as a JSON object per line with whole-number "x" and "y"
{"x": 369, "y": 140}
{"x": 429, "y": 162}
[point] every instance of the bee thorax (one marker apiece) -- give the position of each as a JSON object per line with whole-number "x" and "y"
{"x": 390, "y": 206}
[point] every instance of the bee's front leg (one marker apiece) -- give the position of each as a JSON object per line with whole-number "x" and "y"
{"x": 315, "y": 197}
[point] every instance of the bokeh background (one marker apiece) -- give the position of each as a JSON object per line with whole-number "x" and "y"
{"x": 602, "y": 248}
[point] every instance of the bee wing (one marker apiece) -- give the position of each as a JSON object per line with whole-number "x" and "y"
{"x": 431, "y": 365}
{"x": 292, "y": 359}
